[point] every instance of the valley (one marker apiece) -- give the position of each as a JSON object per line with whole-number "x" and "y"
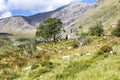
{"x": 78, "y": 41}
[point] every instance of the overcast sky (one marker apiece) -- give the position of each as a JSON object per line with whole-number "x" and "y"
{"x": 28, "y": 7}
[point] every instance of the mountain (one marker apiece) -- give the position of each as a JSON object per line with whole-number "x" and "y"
{"x": 72, "y": 15}
{"x": 27, "y": 24}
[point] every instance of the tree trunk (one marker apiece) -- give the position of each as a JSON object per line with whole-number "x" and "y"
{"x": 54, "y": 38}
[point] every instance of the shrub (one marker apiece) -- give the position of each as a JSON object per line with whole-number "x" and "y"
{"x": 12, "y": 76}
{"x": 34, "y": 66}
{"x": 23, "y": 39}
{"x": 42, "y": 55}
{"x": 61, "y": 76}
{"x": 47, "y": 64}
{"x": 116, "y": 31}
{"x": 88, "y": 40}
{"x": 2, "y": 66}
{"x": 97, "y": 30}
{"x": 106, "y": 49}
{"x": 84, "y": 34}
{"x": 100, "y": 55}
{"x": 3, "y": 41}
{"x": 73, "y": 68}
{"x": 75, "y": 45}
{"x": 13, "y": 59}
{"x": 5, "y": 44}
{"x": 84, "y": 38}
{"x": 46, "y": 57}
{"x": 39, "y": 72}
{"x": 39, "y": 55}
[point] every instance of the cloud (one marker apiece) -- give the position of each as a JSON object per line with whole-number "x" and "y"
{"x": 33, "y": 6}
{"x": 37, "y": 5}
{"x": 3, "y": 6}
{"x": 4, "y": 10}
{"x": 6, "y": 14}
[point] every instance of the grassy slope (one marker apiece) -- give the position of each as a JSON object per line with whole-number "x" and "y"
{"x": 99, "y": 68}
{"x": 107, "y": 11}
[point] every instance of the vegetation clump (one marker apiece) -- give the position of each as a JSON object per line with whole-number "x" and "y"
{"x": 12, "y": 76}
{"x": 72, "y": 69}
{"x": 83, "y": 37}
{"x": 97, "y": 30}
{"x": 106, "y": 48}
{"x": 116, "y": 31}
{"x": 39, "y": 72}
{"x": 47, "y": 64}
{"x": 75, "y": 44}
{"x": 5, "y": 44}
{"x": 34, "y": 66}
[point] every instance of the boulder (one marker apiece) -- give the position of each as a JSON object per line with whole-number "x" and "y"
{"x": 69, "y": 48}
{"x": 66, "y": 57}
{"x": 111, "y": 52}
{"x": 39, "y": 48}
{"x": 66, "y": 62}
{"x": 27, "y": 69}
{"x": 77, "y": 55}
{"x": 88, "y": 54}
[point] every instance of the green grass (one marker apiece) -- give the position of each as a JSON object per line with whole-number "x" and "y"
{"x": 100, "y": 69}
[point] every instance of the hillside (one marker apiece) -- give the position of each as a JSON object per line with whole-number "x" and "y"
{"x": 105, "y": 11}
{"x": 92, "y": 55}
{"x": 62, "y": 61}
{"x": 26, "y": 24}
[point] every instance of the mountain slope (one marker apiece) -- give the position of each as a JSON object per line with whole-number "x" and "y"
{"x": 105, "y": 11}
{"x": 15, "y": 25}
{"x": 73, "y": 15}
{"x": 21, "y": 24}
